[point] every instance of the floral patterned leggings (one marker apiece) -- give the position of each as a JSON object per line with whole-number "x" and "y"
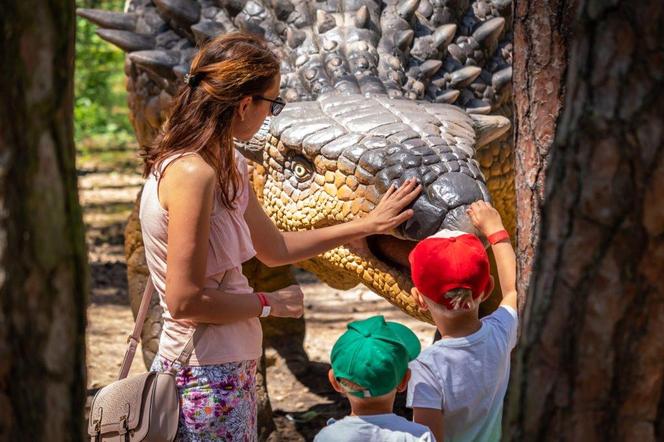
{"x": 217, "y": 402}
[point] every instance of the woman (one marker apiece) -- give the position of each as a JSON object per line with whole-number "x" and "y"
{"x": 201, "y": 220}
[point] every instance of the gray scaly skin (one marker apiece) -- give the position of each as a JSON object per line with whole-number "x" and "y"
{"x": 378, "y": 92}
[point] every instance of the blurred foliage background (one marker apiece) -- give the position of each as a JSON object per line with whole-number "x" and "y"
{"x": 100, "y": 111}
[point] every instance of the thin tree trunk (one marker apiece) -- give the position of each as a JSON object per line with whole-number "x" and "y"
{"x": 43, "y": 272}
{"x": 540, "y": 63}
{"x": 590, "y": 362}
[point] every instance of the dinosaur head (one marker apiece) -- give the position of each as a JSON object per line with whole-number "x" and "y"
{"x": 378, "y": 91}
{"x": 331, "y": 160}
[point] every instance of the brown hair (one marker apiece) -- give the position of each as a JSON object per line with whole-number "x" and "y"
{"x": 224, "y": 71}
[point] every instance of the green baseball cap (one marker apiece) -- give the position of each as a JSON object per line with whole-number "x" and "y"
{"x": 374, "y": 354}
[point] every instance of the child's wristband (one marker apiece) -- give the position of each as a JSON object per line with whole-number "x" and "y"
{"x": 498, "y": 236}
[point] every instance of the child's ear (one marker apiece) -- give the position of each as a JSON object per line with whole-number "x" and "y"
{"x": 489, "y": 290}
{"x": 419, "y": 299}
{"x": 334, "y": 382}
{"x": 404, "y": 382}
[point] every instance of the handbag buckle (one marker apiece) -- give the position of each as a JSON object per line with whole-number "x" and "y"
{"x": 97, "y": 422}
{"x": 124, "y": 428}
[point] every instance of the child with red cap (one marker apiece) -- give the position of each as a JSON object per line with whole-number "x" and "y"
{"x": 458, "y": 384}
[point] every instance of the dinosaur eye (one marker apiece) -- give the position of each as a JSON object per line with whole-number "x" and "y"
{"x": 301, "y": 168}
{"x": 300, "y": 171}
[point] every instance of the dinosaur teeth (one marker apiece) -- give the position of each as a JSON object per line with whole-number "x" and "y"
{"x": 501, "y": 78}
{"x": 407, "y": 8}
{"x": 464, "y": 76}
{"x": 362, "y": 17}
{"x": 443, "y": 35}
{"x": 295, "y": 37}
{"x": 109, "y": 19}
{"x": 206, "y": 30}
{"x": 489, "y": 32}
{"x": 160, "y": 63}
{"x": 324, "y": 21}
{"x": 126, "y": 40}
{"x": 405, "y": 39}
{"x": 488, "y": 128}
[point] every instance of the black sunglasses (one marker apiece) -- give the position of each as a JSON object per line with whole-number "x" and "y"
{"x": 277, "y": 105}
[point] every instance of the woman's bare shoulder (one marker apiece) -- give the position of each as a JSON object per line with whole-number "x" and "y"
{"x": 189, "y": 169}
{"x": 188, "y": 178}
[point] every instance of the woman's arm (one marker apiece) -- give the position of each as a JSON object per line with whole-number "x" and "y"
{"x": 186, "y": 191}
{"x": 275, "y": 248}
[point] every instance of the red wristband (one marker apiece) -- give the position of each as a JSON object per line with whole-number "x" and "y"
{"x": 263, "y": 299}
{"x": 498, "y": 236}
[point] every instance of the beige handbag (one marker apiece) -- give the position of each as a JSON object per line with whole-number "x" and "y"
{"x": 144, "y": 407}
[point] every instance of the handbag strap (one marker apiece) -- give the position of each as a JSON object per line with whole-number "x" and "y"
{"x": 135, "y": 337}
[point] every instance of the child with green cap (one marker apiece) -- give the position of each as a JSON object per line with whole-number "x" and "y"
{"x": 369, "y": 365}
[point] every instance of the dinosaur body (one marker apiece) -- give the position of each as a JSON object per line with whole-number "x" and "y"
{"x": 377, "y": 91}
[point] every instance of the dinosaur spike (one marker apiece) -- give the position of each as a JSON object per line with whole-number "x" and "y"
{"x": 443, "y": 35}
{"x": 282, "y": 9}
{"x": 405, "y": 39}
{"x": 425, "y": 8}
{"x": 489, "y": 128}
{"x": 126, "y": 40}
{"x": 407, "y": 8}
{"x": 489, "y": 31}
{"x": 158, "y": 62}
{"x": 206, "y": 30}
{"x": 464, "y": 76}
{"x": 501, "y": 78}
{"x": 362, "y": 17}
{"x": 183, "y": 12}
{"x": 430, "y": 67}
{"x": 478, "y": 107}
{"x": 324, "y": 21}
{"x": 449, "y": 96}
{"x": 424, "y": 22}
{"x": 295, "y": 37}
{"x": 109, "y": 19}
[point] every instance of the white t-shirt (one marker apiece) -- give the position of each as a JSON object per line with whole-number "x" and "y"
{"x": 467, "y": 378}
{"x": 374, "y": 428}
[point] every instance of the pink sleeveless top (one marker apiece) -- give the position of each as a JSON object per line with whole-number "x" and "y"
{"x": 229, "y": 246}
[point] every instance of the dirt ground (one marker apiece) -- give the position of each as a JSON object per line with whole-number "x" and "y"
{"x": 301, "y": 404}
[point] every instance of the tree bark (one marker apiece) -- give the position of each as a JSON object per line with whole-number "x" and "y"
{"x": 43, "y": 270}
{"x": 540, "y": 63}
{"x": 589, "y": 364}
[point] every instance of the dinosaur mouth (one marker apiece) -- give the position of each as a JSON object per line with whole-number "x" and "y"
{"x": 392, "y": 251}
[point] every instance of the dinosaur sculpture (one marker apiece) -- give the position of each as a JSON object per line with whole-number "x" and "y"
{"x": 377, "y": 91}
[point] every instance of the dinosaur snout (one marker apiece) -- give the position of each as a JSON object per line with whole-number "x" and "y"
{"x": 443, "y": 203}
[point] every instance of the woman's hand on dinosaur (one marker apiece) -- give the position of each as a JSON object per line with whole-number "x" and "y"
{"x": 390, "y": 213}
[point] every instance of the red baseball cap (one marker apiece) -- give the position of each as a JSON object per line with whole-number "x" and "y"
{"x": 452, "y": 260}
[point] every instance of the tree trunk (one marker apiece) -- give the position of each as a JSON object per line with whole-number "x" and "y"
{"x": 589, "y": 364}
{"x": 43, "y": 273}
{"x": 540, "y": 63}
